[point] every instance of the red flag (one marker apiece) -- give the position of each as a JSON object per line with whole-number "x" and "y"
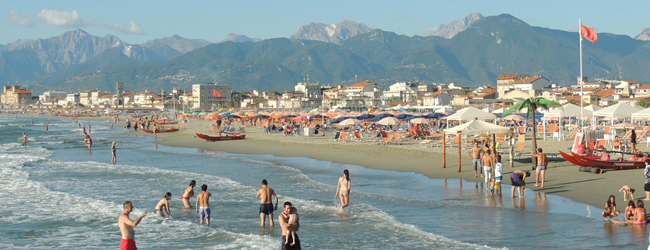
{"x": 175, "y": 90}
{"x": 589, "y": 34}
{"x": 216, "y": 93}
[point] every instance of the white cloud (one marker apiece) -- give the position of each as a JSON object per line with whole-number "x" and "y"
{"x": 16, "y": 18}
{"x": 134, "y": 29}
{"x": 61, "y": 18}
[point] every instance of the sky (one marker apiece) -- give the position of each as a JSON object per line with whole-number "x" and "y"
{"x": 139, "y": 21}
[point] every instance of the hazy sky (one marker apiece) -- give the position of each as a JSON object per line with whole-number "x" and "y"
{"x": 139, "y": 21}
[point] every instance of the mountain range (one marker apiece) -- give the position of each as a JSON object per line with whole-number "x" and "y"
{"x": 481, "y": 49}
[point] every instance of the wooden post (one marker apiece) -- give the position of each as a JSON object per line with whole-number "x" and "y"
{"x": 512, "y": 142}
{"x": 460, "y": 139}
{"x": 494, "y": 147}
{"x": 444, "y": 150}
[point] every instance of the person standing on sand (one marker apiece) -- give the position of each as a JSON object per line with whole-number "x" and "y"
{"x": 487, "y": 167}
{"x": 189, "y": 193}
{"x": 475, "y": 153}
{"x": 283, "y": 218}
{"x": 24, "y": 139}
{"x": 266, "y": 206}
{"x": 126, "y": 227}
{"x": 542, "y": 163}
{"x": 633, "y": 141}
{"x": 113, "y": 151}
{"x": 343, "y": 188}
{"x": 203, "y": 205}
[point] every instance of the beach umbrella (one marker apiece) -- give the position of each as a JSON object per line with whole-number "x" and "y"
{"x": 384, "y": 115}
{"x": 234, "y": 117}
{"x": 316, "y": 116}
{"x": 389, "y": 121}
{"x": 410, "y": 118}
{"x": 288, "y": 116}
{"x": 365, "y": 117}
{"x": 350, "y": 121}
{"x": 260, "y": 117}
{"x": 420, "y": 120}
{"x": 300, "y": 118}
{"x": 211, "y": 117}
{"x": 514, "y": 118}
{"x": 434, "y": 115}
{"x": 402, "y": 116}
{"x": 340, "y": 119}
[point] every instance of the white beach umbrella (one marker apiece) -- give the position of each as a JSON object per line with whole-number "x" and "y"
{"x": 350, "y": 121}
{"x": 389, "y": 121}
{"x": 420, "y": 120}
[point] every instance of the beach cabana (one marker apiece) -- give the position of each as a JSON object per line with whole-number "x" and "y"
{"x": 641, "y": 115}
{"x": 474, "y": 127}
{"x": 592, "y": 107}
{"x": 621, "y": 110}
{"x": 468, "y": 114}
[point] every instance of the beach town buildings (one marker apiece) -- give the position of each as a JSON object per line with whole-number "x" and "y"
{"x": 15, "y": 96}
{"x": 47, "y": 95}
{"x": 203, "y": 95}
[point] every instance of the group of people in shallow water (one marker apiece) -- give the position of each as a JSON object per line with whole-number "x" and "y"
{"x": 634, "y": 214}
{"x": 289, "y": 218}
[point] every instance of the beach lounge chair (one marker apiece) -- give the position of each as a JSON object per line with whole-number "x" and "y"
{"x": 519, "y": 150}
{"x": 521, "y": 129}
{"x": 397, "y": 139}
{"x": 419, "y": 135}
{"x": 343, "y": 137}
{"x": 601, "y": 142}
{"x": 386, "y": 140}
{"x": 522, "y": 138}
{"x": 455, "y": 142}
{"x": 425, "y": 143}
{"x": 336, "y": 136}
{"x": 439, "y": 143}
{"x": 357, "y": 136}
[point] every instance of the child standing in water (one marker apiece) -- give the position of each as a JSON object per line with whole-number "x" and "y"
{"x": 293, "y": 218}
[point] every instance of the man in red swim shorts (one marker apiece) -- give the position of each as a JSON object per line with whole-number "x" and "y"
{"x": 127, "y": 225}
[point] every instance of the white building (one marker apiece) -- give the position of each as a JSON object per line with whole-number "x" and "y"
{"x": 47, "y": 95}
{"x": 72, "y": 99}
{"x": 532, "y": 83}
{"x": 401, "y": 92}
{"x": 203, "y": 95}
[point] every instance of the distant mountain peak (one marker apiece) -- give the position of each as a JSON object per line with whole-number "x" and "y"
{"x": 455, "y": 27}
{"x": 644, "y": 36}
{"x": 176, "y": 42}
{"x": 331, "y": 33}
{"x": 237, "y": 38}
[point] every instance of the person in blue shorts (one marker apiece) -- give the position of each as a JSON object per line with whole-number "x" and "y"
{"x": 266, "y": 206}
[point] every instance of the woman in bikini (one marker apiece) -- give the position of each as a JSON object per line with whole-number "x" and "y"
{"x": 343, "y": 189}
{"x": 189, "y": 193}
{"x": 639, "y": 215}
{"x": 610, "y": 208}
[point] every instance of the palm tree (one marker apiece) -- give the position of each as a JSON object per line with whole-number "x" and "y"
{"x": 643, "y": 103}
{"x": 531, "y": 104}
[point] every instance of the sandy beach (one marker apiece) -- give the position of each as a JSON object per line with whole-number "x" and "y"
{"x": 562, "y": 178}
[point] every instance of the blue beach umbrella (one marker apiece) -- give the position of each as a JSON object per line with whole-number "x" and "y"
{"x": 288, "y": 116}
{"x": 365, "y": 116}
{"x": 260, "y": 117}
{"x": 402, "y": 116}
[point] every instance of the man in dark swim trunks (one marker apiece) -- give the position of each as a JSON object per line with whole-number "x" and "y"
{"x": 266, "y": 206}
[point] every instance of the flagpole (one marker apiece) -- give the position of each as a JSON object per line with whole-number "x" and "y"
{"x": 581, "y": 79}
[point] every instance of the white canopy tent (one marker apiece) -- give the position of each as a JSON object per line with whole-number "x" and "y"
{"x": 621, "y": 110}
{"x": 592, "y": 107}
{"x": 499, "y": 111}
{"x": 642, "y": 114}
{"x": 474, "y": 127}
{"x": 470, "y": 113}
{"x": 568, "y": 110}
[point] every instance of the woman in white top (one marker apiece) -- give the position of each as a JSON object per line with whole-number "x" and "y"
{"x": 343, "y": 189}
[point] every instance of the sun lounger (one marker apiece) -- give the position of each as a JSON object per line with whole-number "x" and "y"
{"x": 425, "y": 143}
{"x": 336, "y": 136}
{"x": 357, "y": 136}
{"x": 343, "y": 137}
{"x": 520, "y": 150}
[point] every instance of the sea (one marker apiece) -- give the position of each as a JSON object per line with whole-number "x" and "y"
{"x": 55, "y": 194}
